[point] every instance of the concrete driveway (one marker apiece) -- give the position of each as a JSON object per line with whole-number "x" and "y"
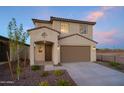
{"x": 91, "y": 74}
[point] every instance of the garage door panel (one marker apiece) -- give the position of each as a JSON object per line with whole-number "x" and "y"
{"x": 75, "y": 53}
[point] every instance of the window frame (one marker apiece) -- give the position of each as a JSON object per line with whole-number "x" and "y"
{"x": 82, "y": 28}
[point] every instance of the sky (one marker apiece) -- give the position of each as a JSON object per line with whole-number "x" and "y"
{"x": 108, "y": 31}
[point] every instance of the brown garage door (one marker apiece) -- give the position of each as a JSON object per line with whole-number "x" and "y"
{"x": 75, "y": 53}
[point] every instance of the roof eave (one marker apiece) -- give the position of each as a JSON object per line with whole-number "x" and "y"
{"x": 43, "y": 27}
{"x": 78, "y": 35}
{"x": 40, "y": 21}
{"x": 71, "y": 20}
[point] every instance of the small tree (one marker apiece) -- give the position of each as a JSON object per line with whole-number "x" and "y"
{"x": 17, "y": 39}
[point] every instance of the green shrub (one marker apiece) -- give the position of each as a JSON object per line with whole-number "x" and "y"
{"x": 35, "y": 67}
{"x": 45, "y": 74}
{"x": 58, "y": 72}
{"x": 63, "y": 82}
{"x": 44, "y": 83}
{"x": 114, "y": 64}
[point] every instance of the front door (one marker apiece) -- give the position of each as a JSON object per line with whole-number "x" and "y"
{"x": 48, "y": 52}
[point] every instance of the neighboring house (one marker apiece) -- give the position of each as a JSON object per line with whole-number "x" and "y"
{"x": 4, "y": 48}
{"x": 61, "y": 40}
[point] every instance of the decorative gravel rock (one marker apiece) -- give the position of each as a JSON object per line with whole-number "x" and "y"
{"x": 31, "y": 78}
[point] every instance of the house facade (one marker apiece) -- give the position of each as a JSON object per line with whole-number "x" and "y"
{"x": 61, "y": 40}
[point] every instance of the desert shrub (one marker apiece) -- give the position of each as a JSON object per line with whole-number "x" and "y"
{"x": 62, "y": 82}
{"x": 114, "y": 64}
{"x": 44, "y": 83}
{"x": 35, "y": 67}
{"x": 58, "y": 72}
{"x": 45, "y": 74}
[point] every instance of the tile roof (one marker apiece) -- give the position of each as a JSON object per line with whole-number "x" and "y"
{"x": 71, "y": 20}
{"x": 39, "y": 21}
{"x": 62, "y": 19}
{"x": 43, "y": 27}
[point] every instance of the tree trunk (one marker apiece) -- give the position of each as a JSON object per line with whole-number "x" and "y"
{"x": 18, "y": 66}
{"x": 10, "y": 66}
{"x": 25, "y": 62}
{"x": 25, "y": 59}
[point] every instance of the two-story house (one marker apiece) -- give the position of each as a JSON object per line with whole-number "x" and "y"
{"x": 62, "y": 40}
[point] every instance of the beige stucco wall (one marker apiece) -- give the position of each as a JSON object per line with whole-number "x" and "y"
{"x": 93, "y": 53}
{"x": 32, "y": 53}
{"x": 43, "y": 24}
{"x": 80, "y": 41}
{"x": 35, "y": 35}
{"x": 73, "y": 28}
{"x": 56, "y": 25}
{"x": 39, "y": 56}
{"x": 76, "y": 40}
{"x": 52, "y": 36}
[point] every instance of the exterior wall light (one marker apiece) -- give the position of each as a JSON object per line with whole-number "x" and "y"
{"x": 58, "y": 48}
{"x": 94, "y": 48}
{"x": 34, "y": 45}
{"x": 40, "y": 49}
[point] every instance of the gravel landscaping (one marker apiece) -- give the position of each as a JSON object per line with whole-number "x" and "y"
{"x": 35, "y": 78}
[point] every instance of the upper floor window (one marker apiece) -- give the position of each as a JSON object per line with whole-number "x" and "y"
{"x": 83, "y": 29}
{"x": 64, "y": 27}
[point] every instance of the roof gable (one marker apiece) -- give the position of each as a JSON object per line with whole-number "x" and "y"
{"x": 78, "y": 35}
{"x": 43, "y": 27}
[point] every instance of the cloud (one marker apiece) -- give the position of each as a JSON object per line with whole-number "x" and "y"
{"x": 106, "y": 37}
{"x": 93, "y": 16}
{"x": 96, "y": 15}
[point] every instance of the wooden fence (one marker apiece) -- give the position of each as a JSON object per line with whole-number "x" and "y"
{"x": 111, "y": 58}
